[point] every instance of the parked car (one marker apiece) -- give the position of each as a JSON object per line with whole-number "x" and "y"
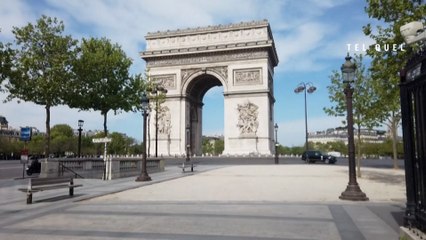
{"x": 313, "y": 156}
{"x": 34, "y": 166}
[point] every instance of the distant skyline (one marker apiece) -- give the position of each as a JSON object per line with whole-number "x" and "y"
{"x": 310, "y": 41}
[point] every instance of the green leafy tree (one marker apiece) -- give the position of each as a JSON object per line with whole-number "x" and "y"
{"x": 219, "y": 146}
{"x": 63, "y": 140}
{"x": 207, "y": 146}
{"x": 135, "y": 148}
{"x": 10, "y": 147}
{"x": 36, "y": 145}
{"x": 88, "y": 148}
{"x": 41, "y": 66}
{"x": 386, "y": 65}
{"x": 102, "y": 80}
{"x": 363, "y": 97}
{"x": 119, "y": 144}
{"x": 6, "y": 54}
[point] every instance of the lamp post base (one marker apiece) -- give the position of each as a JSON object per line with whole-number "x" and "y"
{"x": 353, "y": 193}
{"x": 143, "y": 178}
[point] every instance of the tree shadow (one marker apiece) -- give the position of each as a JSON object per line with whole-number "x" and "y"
{"x": 383, "y": 177}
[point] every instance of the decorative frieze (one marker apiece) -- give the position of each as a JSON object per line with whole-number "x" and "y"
{"x": 208, "y": 39}
{"x": 250, "y": 76}
{"x": 168, "y": 81}
{"x": 207, "y": 58}
{"x": 209, "y": 36}
{"x": 190, "y": 31}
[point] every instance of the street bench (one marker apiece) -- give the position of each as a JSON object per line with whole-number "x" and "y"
{"x": 188, "y": 164}
{"x": 43, "y": 184}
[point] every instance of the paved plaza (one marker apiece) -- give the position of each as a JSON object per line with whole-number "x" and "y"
{"x": 215, "y": 202}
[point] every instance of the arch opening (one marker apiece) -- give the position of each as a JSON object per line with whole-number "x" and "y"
{"x": 195, "y": 92}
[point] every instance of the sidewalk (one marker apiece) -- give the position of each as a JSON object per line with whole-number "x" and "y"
{"x": 232, "y": 202}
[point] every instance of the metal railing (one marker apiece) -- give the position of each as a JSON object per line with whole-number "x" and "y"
{"x": 95, "y": 167}
{"x": 63, "y": 169}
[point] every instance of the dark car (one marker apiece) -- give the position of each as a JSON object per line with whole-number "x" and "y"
{"x": 313, "y": 156}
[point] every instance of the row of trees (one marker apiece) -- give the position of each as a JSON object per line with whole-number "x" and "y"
{"x": 213, "y": 147}
{"x": 64, "y": 143}
{"x": 376, "y": 97}
{"x": 48, "y": 68}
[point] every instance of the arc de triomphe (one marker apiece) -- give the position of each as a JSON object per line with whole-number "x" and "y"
{"x": 241, "y": 58}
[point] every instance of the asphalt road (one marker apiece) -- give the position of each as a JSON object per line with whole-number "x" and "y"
{"x": 12, "y": 169}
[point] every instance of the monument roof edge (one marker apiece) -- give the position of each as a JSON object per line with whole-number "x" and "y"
{"x": 214, "y": 28}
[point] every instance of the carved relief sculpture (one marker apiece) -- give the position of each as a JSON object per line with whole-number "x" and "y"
{"x": 168, "y": 81}
{"x": 247, "y": 77}
{"x": 247, "y": 118}
{"x": 164, "y": 121}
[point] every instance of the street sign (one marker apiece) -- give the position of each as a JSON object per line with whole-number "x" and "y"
{"x": 101, "y": 140}
{"x": 26, "y": 134}
{"x": 24, "y": 156}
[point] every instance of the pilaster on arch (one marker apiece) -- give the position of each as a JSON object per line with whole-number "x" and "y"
{"x": 188, "y": 75}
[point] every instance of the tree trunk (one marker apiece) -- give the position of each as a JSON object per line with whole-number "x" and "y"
{"x": 105, "y": 124}
{"x": 47, "y": 137}
{"x": 358, "y": 155}
{"x": 394, "y": 124}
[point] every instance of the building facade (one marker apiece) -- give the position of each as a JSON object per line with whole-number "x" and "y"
{"x": 341, "y": 135}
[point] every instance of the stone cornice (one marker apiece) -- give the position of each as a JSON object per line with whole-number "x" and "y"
{"x": 211, "y": 57}
{"x": 208, "y": 29}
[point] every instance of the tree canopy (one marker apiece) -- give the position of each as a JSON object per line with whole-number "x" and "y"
{"x": 6, "y": 54}
{"x": 363, "y": 95}
{"x": 385, "y": 65}
{"x": 42, "y": 65}
{"x": 102, "y": 79}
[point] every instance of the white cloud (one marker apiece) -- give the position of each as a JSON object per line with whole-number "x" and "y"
{"x": 13, "y": 13}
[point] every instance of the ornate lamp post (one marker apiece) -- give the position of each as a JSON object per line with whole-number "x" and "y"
{"x": 310, "y": 88}
{"x": 80, "y": 125}
{"x": 155, "y": 91}
{"x": 188, "y": 142}
{"x": 276, "y": 143}
{"x": 145, "y": 108}
{"x": 353, "y": 191}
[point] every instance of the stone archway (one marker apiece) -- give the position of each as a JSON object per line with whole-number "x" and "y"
{"x": 240, "y": 57}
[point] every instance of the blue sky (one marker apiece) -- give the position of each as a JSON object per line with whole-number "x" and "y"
{"x": 311, "y": 38}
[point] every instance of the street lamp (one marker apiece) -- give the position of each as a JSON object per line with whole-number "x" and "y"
{"x": 353, "y": 191}
{"x": 310, "y": 88}
{"x": 80, "y": 125}
{"x": 188, "y": 141}
{"x": 155, "y": 91}
{"x": 276, "y": 143}
{"x": 145, "y": 108}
